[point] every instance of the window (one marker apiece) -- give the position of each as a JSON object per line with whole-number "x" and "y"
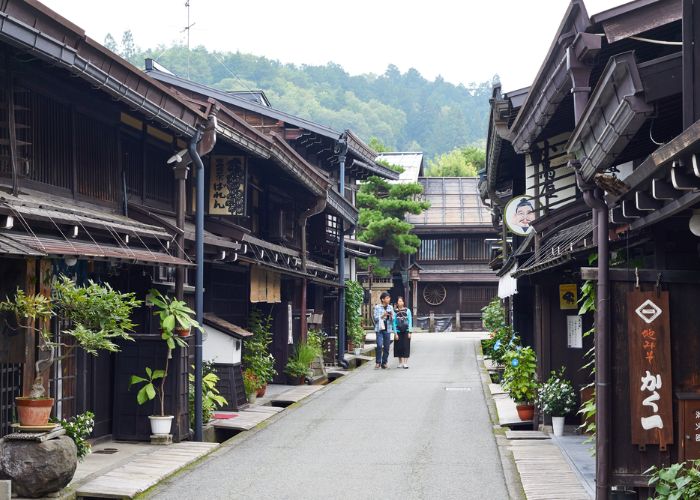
{"x": 475, "y": 249}
{"x": 439, "y": 249}
{"x": 332, "y": 229}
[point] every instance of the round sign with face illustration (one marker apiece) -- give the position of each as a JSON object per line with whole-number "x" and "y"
{"x": 519, "y": 213}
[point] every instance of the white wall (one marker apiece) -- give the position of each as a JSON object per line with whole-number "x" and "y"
{"x": 220, "y": 347}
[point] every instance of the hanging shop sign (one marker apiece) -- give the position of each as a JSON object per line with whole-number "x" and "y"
{"x": 227, "y": 185}
{"x": 568, "y": 296}
{"x": 651, "y": 396}
{"x": 518, "y": 214}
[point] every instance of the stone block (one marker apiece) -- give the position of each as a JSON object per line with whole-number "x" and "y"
{"x": 38, "y": 469}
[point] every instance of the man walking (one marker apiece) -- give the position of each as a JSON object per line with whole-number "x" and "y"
{"x": 384, "y": 328}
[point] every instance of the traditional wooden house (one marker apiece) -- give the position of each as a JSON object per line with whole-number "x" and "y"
{"x": 607, "y": 137}
{"x": 81, "y": 132}
{"x": 291, "y": 218}
{"x": 450, "y": 280}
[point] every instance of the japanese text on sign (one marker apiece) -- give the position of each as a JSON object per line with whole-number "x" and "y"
{"x": 227, "y": 188}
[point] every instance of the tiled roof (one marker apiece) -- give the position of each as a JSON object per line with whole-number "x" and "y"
{"x": 454, "y": 201}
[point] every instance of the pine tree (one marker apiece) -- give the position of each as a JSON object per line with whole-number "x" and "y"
{"x": 383, "y": 207}
{"x": 111, "y": 43}
{"x": 128, "y": 46}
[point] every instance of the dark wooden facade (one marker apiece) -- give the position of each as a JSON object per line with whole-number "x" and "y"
{"x": 621, "y": 113}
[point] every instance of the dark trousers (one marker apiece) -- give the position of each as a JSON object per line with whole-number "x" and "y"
{"x": 383, "y": 344}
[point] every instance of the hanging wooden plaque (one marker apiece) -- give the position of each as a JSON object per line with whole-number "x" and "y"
{"x": 227, "y": 185}
{"x": 651, "y": 390}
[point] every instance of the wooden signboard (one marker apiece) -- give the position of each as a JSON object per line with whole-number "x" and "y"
{"x": 227, "y": 185}
{"x": 651, "y": 396}
{"x": 568, "y": 296}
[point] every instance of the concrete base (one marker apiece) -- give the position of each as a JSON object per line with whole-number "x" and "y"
{"x": 5, "y": 490}
{"x": 161, "y": 439}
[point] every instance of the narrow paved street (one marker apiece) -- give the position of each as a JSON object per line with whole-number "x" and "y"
{"x": 377, "y": 434}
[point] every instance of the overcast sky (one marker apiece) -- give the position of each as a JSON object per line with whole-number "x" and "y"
{"x": 462, "y": 40}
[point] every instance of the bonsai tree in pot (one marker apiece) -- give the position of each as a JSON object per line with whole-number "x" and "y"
{"x": 299, "y": 362}
{"x": 171, "y": 313}
{"x": 520, "y": 380}
{"x": 556, "y": 398}
{"x": 97, "y": 316}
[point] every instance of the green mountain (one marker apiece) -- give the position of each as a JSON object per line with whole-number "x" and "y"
{"x": 404, "y": 111}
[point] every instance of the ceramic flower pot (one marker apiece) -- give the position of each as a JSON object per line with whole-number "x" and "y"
{"x": 252, "y": 397}
{"x": 558, "y": 426}
{"x": 33, "y": 412}
{"x": 525, "y": 411}
{"x": 261, "y": 392}
{"x": 358, "y": 351}
{"x": 160, "y": 425}
{"x": 183, "y": 332}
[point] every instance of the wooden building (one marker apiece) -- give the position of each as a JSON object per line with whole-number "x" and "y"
{"x": 449, "y": 277}
{"x": 604, "y": 147}
{"x": 293, "y": 218}
{"x": 96, "y": 182}
{"x": 82, "y": 131}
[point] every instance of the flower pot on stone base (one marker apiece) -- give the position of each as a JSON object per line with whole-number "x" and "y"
{"x": 525, "y": 411}
{"x": 33, "y": 411}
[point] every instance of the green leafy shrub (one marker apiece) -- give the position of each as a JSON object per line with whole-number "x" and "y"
{"x": 300, "y": 361}
{"x": 677, "y": 482}
{"x": 556, "y": 396}
{"x": 211, "y": 398}
{"x": 520, "y": 376}
{"x": 315, "y": 340}
{"x": 79, "y": 428}
{"x": 354, "y": 296}
{"x": 256, "y": 350}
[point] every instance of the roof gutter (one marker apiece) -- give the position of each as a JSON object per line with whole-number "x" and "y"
{"x": 27, "y": 38}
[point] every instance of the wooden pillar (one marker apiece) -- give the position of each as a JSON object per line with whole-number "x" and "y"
{"x": 415, "y": 299}
{"x": 30, "y": 337}
{"x": 691, "y": 63}
{"x": 303, "y": 327}
{"x": 181, "y": 202}
{"x": 45, "y": 279}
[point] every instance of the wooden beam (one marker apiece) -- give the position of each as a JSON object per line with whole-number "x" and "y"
{"x": 685, "y": 202}
{"x": 645, "y": 202}
{"x": 691, "y": 62}
{"x": 629, "y": 210}
{"x": 617, "y": 217}
{"x": 662, "y": 190}
{"x": 645, "y": 275}
{"x": 683, "y": 181}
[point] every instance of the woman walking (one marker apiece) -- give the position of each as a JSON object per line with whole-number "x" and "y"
{"x": 403, "y": 324}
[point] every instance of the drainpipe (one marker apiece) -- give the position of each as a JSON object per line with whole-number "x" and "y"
{"x": 593, "y": 197}
{"x": 207, "y": 145}
{"x": 341, "y": 149}
{"x": 317, "y": 208}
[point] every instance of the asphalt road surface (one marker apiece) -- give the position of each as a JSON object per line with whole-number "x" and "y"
{"x": 421, "y": 433}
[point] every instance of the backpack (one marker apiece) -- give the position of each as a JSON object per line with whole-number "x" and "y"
{"x": 402, "y": 321}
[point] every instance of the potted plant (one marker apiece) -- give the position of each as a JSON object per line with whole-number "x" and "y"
{"x": 677, "y": 481}
{"x": 171, "y": 313}
{"x": 251, "y": 384}
{"x": 298, "y": 364}
{"x": 97, "y": 316}
{"x": 556, "y": 398}
{"x": 256, "y": 353}
{"x": 519, "y": 380}
{"x": 175, "y": 315}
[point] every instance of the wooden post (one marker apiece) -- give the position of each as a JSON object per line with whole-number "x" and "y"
{"x": 415, "y": 299}
{"x": 458, "y": 321}
{"x": 45, "y": 277}
{"x": 691, "y": 63}
{"x": 303, "y": 327}
{"x": 30, "y": 337}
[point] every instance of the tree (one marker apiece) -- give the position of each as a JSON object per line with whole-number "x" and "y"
{"x": 460, "y": 162}
{"x": 383, "y": 208}
{"x": 111, "y": 43}
{"x": 128, "y": 46}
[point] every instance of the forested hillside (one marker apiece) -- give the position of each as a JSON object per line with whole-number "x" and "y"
{"x": 403, "y": 110}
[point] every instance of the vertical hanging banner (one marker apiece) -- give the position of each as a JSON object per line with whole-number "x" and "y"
{"x": 651, "y": 390}
{"x": 227, "y": 185}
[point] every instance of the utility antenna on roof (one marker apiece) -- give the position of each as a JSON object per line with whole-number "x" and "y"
{"x": 187, "y": 29}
